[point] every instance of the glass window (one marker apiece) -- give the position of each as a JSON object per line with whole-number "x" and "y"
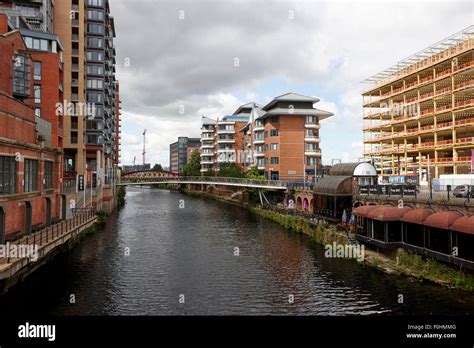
{"x": 29, "y": 42}
{"x": 7, "y": 175}
{"x": 95, "y": 69}
{"x": 37, "y": 71}
{"x": 21, "y": 75}
{"x": 273, "y": 147}
{"x": 31, "y": 175}
{"x": 37, "y": 89}
{"x": 274, "y": 132}
{"x": 48, "y": 175}
{"x": 38, "y": 112}
{"x": 274, "y": 160}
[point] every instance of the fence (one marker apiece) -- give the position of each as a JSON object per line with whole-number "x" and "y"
{"x": 50, "y": 233}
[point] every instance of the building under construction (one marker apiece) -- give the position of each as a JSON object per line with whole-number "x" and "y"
{"x": 419, "y": 114}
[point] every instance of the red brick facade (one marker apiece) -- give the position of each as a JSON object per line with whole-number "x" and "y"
{"x": 19, "y": 141}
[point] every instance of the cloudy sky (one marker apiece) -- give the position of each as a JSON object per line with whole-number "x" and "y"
{"x": 176, "y": 60}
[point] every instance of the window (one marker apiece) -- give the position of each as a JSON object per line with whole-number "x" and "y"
{"x": 274, "y": 132}
{"x": 37, "y": 94}
{"x": 311, "y": 161}
{"x": 7, "y": 175}
{"x": 274, "y": 119}
{"x": 97, "y": 3}
{"x": 95, "y": 83}
{"x": 274, "y": 147}
{"x": 48, "y": 175}
{"x": 311, "y": 120}
{"x": 31, "y": 175}
{"x": 274, "y": 160}
{"x": 95, "y": 42}
{"x": 21, "y": 75}
{"x": 95, "y": 97}
{"x": 95, "y": 15}
{"x": 37, "y": 44}
{"x": 37, "y": 112}
{"x": 94, "y": 28}
{"x": 37, "y": 73}
{"x": 95, "y": 56}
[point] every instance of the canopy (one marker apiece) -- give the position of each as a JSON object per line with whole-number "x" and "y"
{"x": 387, "y": 213}
{"x": 334, "y": 186}
{"x": 443, "y": 219}
{"x": 464, "y": 224}
{"x": 417, "y": 216}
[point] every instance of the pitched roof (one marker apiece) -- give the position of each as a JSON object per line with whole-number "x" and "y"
{"x": 290, "y": 97}
{"x": 207, "y": 120}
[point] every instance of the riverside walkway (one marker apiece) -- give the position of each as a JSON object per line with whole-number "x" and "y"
{"x": 44, "y": 243}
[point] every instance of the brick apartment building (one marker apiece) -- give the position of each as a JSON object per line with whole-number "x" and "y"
{"x": 280, "y": 138}
{"x": 30, "y": 159}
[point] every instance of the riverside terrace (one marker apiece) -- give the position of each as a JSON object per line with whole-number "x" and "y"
{"x": 435, "y": 224}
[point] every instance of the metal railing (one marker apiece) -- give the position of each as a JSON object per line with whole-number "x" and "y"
{"x": 53, "y": 232}
{"x": 205, "y": 180}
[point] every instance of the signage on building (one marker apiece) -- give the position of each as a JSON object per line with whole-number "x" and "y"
{"x": 80, "y": 183}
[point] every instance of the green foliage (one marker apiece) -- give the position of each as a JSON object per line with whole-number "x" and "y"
{"x": 157, "y": 167}
{"x": 230, "y": 170}
{"x": 102, "y": 220}
{"x": 121, "y": 192}
{"x": 209, "y": 172}
{"x": 254, "y": 174}
{"x": 193, "y": 167}
{"x": 417, "y": 266}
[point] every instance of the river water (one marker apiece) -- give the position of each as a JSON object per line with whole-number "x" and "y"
{"x": 166, "y": 253}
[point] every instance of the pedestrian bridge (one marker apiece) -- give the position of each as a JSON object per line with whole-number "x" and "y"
{"x": 156, "y": 177}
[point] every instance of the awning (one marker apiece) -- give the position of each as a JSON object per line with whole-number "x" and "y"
{"x": 363, "y": 210}
{"x": 417, "y": 216}
{"x": 443, "y": 219}
{"x": 387, "y": 213}
{"x": 334, "y": 186}
{"x": 464, "y": 224}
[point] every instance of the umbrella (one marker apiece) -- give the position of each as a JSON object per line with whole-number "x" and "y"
{"x": 344, "y": 217}
{"x": 352, "y": 219}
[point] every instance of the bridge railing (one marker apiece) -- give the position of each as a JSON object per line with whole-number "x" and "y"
{"x": 204, "y": 180}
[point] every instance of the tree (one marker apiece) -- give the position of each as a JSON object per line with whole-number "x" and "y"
{"x": 230, "y": 170}
{"x": 209, "y": 172}
{"x": 254, "y": 174}
{"x": 157, "y": 167}
{"x": 193, "y": 167}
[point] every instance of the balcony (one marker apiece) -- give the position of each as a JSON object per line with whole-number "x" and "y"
{"x": 312, "y": 153}
{"x": 312, "y": 139}
{"x": 312, "y": 125}
{"x": 225, "y": 131}
{"x": 207, "y": 161}
{"x": 258, "y": 128}
{"x": 225, "y": 140}
{"x": 207, "y": 146}
{"x": 259, "y": 154}
{"x": 463, "y": 66}
{"x": 259, "y": 141}
{"x": 464, "y": 103}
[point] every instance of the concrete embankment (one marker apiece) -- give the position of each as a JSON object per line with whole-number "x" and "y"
{"x": 400, "y": 262}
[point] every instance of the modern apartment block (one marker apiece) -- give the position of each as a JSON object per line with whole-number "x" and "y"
{"x": 280, "y": 138}
{"x": 181, "y": 151}
{"x": 87, "y": 31}
{"x": 419, "y": 114}
{"x": 222, "y": 141}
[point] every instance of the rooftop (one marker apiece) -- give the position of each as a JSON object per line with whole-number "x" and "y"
{"x": 400, "y": 68}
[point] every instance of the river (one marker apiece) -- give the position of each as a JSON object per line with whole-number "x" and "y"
{"x": 166, "y": 253}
